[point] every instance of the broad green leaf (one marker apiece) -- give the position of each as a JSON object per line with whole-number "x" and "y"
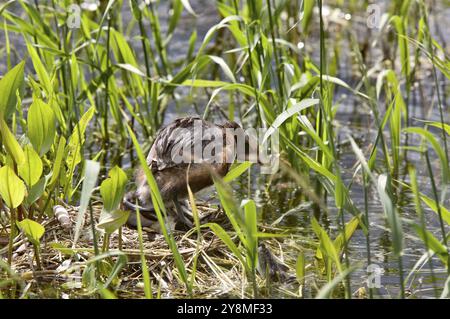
{"x": 113, "y": 220}
{"x": 31, "y": 169}
{"x": 12, "y": 189}
{"x": 243, "y": 88}
{"x": 33, "y": 230}
{"x": 309, "y": 129}
{"x": 9, "y": 84}
{"x": 9, "y": 141}
{"x": 157, "y": 201}
{"x": 37, "y": 190}
{"x": 41, "y": 126}
{"x": 112, "y": 189}
{"x": 27, "y": 28}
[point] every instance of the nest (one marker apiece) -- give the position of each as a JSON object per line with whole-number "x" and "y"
{"x": 64, "y": 271}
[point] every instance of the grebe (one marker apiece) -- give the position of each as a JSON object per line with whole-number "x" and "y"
{"x": 171, "y": 174}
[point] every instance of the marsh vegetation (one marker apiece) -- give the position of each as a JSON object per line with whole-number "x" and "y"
{"x": 357, "y": 91}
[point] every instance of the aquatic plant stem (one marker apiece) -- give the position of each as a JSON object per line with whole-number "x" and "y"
{"x": 12, "y": 234}
{"x": 367, "y": 222}
{"x": 105, "y": 145}
{"x": 275, "y": 50}
{"x": 348, "y": 290}
{"x": 439, "y": 211}
{"x": 436, "y": 81}
{"x": 148, "y": 73}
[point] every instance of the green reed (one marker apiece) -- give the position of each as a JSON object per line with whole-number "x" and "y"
{"x": 86, "y": 95}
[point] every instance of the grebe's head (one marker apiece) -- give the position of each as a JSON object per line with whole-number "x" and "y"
{"x": 245, "y": 144}
{"x": 231, "y": 124}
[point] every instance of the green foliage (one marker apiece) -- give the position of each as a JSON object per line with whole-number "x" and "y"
{"x": 41, "y": 126}
{"x": 10, "y": 84}
{"x": 34, "y": 231}
{"x": 112, "y": 189}
{"x": 110, "y": 221}
{"x": 12, "y": 146}
{"x": 268, "y": 64}
{"x": 12, "y": 189}
{"x": 31, "y": 169}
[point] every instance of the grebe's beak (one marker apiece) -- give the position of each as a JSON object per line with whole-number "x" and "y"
{"x": 129, "y": 202}
{"x": 252, "y": 147}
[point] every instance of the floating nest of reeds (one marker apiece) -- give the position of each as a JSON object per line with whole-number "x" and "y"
{"x": 64, "y": 266}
